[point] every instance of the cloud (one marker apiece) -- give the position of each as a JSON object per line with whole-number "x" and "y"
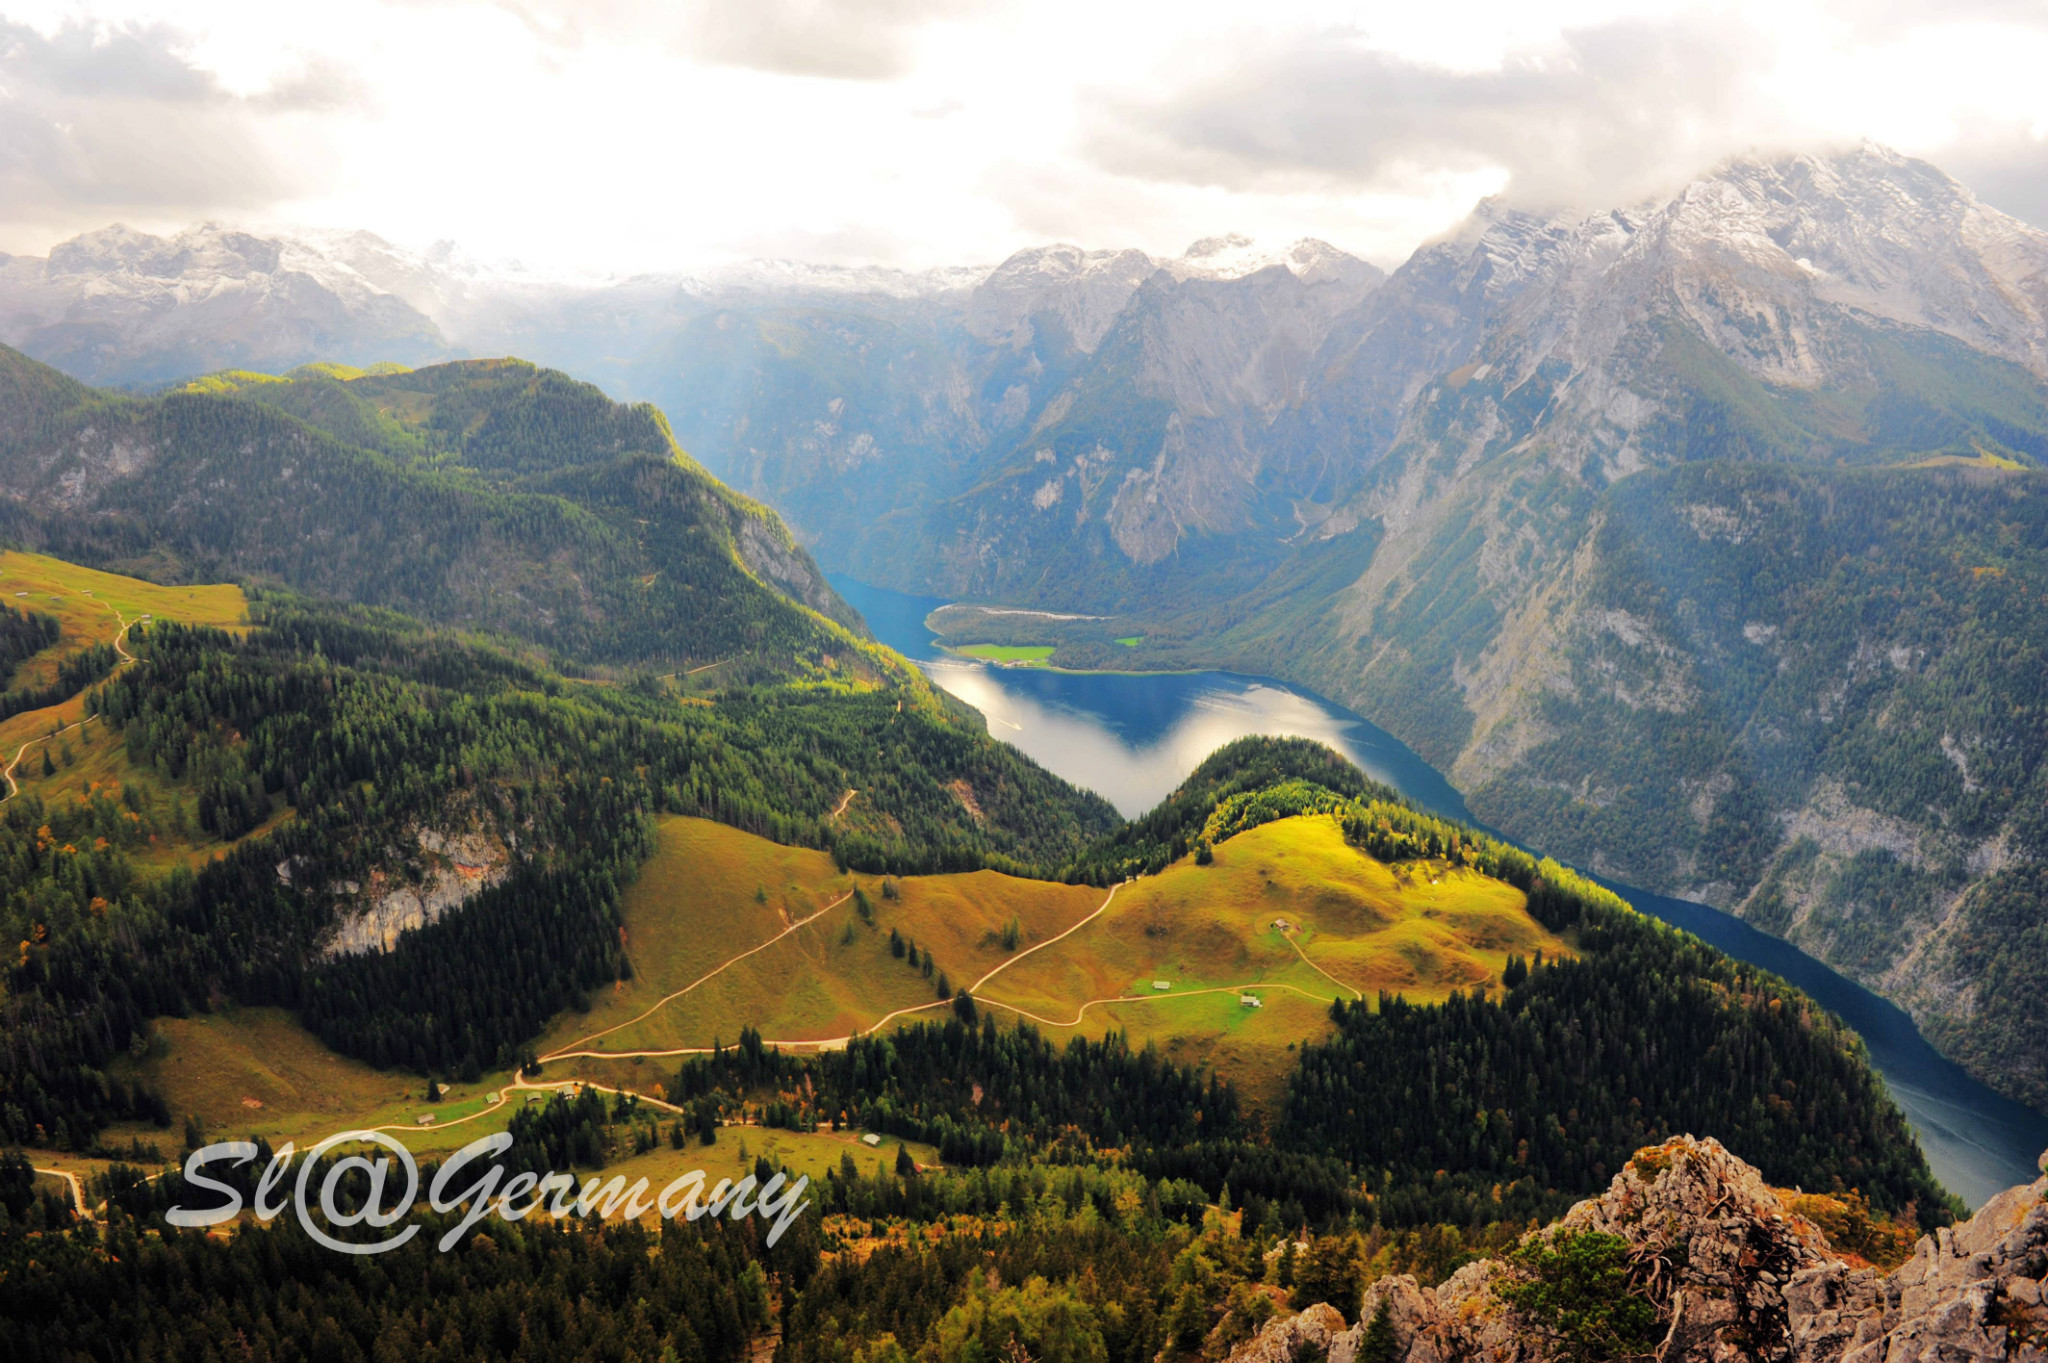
{"x": 1608, "y": 115}
{"x": 865, "y": 40}
{"x": 2006, "y": 168}
{"x": 845, "y": 39}
{"x": 117, "y": 120}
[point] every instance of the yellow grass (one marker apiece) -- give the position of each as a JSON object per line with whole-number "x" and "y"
{"x": 699, "y": 902}
{"x": 1355, "y": 927}
{"x": 90, "y": 605}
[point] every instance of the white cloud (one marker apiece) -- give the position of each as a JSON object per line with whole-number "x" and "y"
{"x": 1601, "y": 116}
{"x": 100, "y": 120}
{"x": 634, "y": 134}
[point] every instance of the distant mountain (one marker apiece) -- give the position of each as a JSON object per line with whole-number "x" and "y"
{"x": 123, "y": 307}
{"x": 488, "y": 494}
{"x": 1699, "y": 540}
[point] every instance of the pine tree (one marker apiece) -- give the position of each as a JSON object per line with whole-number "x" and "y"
{"x": 1379, "y": 1344}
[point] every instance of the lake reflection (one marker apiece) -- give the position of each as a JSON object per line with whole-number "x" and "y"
{"x": 1143, "y": 735}
{"x": 1132, "y": 739}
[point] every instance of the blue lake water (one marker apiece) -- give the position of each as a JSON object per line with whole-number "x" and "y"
{"x": 1132, "y": 739}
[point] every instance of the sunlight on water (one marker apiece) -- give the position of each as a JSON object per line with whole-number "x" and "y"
{"x": 1133, "y": 739}
{"x": 1134, "y": 776}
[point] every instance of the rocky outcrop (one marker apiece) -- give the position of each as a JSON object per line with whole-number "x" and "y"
{"x": 1732, "y": 1275}
{"x": 1286, "y": 1338}
{"x": 451, "y": 870}
{"x": 1971, "y": 1291}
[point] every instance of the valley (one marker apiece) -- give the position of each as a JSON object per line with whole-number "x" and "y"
{"x": 1144, "y": 734}
{"x": 901, "y": 681}
{"x": 945, "y": 966}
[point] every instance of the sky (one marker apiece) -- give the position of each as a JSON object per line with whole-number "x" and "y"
{"x": 620, "y": 136}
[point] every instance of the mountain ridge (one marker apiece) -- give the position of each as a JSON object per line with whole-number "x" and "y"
{"x": 1439, "y": 498}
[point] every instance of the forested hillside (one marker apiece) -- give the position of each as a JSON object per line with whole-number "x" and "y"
{"x": 1811, "y": 696}
{"x": 490, "y": 495}
{"x": 384, "y": 746}
{"x": 1092, "y": 1193}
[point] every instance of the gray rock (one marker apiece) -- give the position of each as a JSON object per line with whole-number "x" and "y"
{"x": 1734, "y": 1277}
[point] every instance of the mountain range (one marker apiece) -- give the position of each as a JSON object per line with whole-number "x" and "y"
{"x": 1701, "y": 540}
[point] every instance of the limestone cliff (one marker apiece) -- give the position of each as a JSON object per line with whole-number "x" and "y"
{"x": 1733, "y": 1273}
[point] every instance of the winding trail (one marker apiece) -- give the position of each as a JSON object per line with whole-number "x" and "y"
{"x": 1154, "y": 998}
{"x": 846, "y": 800}
{"x": 1318, "y": 969}
{"x": 565, "y": 1052}
{"x": 821, "y": 1043}
{"x": 830, "y": 1043}
{"x": 14, "y": 786}
{"x": 1050, "y": 940}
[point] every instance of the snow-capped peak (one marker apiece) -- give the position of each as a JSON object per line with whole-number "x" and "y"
{"x": 1234, "y": 256}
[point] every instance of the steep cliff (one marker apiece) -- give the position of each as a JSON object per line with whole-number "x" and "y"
{"x": 1690, "y": 1256}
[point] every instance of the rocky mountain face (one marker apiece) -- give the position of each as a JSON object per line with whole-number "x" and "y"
{"x": 123, "y": 307}
{"x": 1700, "y": 541}
{"x": 1727, "y": 1268}
{"x": 491, "y": 495}
{"x": 1714, "y": 564}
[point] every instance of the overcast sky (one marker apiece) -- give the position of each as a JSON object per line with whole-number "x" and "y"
{"x": 624, "y": 135}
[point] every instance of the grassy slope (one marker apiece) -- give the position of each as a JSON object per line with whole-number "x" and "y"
{"x": 695, "y": 904}
{"x": 711, "y": 892}
{"x": 1416, "y": 929}
{"x": 90, "y": 606}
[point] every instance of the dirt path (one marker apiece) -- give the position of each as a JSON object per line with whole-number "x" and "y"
{"x": 1151, "y": 998}
{"x": 830, "y": 1043}
{"x": 972, "y": 988}
{"x": 565, "y": 1052}
{"x": 77, "y": 1188}
{"x": 820, "y": 1044}
{"x": 520, "y": 1083}
{"x": 1318, "y": 969}
{"x": 845, "y": 800}
{"x": 14, "y": 786}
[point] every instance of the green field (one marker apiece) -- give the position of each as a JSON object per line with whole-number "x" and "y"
{"x": 1026, "y": 655}
{"x": 1354, "y": 927}
{"x": 778, "y": 932}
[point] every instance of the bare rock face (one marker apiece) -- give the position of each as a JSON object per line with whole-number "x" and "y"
{"x": 1735, "y": 1276}
{"x": 449, "y": 870}
{"x": 1284, "y": 1338}
{"x": 1973, "y": 1291}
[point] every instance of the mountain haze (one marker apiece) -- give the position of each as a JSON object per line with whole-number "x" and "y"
{"x": 1699, "y": 540}
{"x": 487, "y": 494}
